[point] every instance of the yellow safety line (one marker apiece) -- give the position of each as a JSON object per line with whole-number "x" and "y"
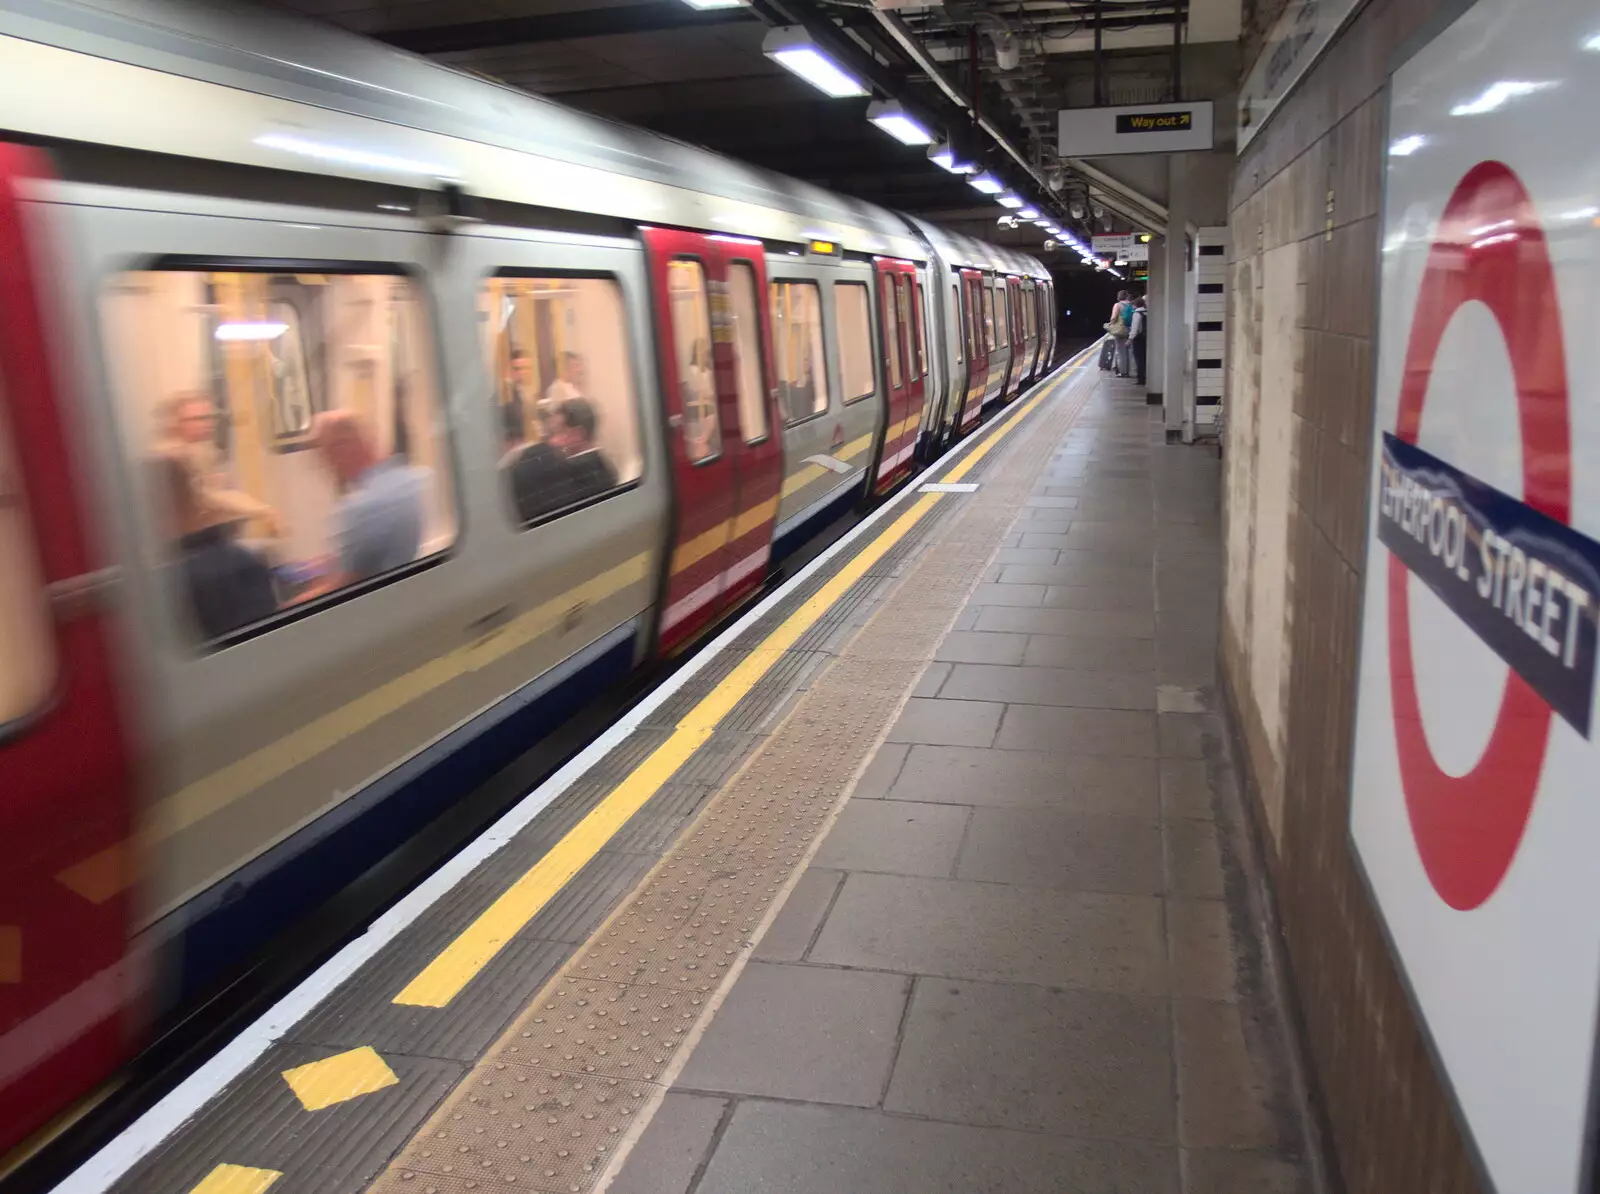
{"x": 442, "y": 979}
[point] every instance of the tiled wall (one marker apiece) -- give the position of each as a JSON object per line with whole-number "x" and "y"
{"x": 1302, "y": 299}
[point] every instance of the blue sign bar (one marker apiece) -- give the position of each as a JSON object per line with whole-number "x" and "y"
{"x": 1525, "y": 584}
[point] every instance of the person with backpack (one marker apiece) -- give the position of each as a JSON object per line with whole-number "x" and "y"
{"x": 1138, "y": 338}
{"x": 1118, "y": 326}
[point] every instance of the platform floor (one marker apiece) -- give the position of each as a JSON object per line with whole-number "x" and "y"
{"x": 934, "y": 878}
{"x": 1022, "y": 958}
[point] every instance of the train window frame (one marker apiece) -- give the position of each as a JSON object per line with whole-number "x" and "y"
{"x": 919, "y": 307}
{"x": 711, "y": 330}
{"x": 867, "y": 312}
{"x": 1002, "y": 315}
{"x": 635, "y": 380}
{"x": 960, "y": 336}
{"x": 986, "y": 302}
{"x": 822, "y": 332}
{"x": 894, "y": 370}
{"x": 762, "y": 389}
{"x": 903, "y": 311}
{"x": 428, "y": 312}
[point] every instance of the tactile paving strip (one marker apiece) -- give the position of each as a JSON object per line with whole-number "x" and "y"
{"x": 551, "y": 1102}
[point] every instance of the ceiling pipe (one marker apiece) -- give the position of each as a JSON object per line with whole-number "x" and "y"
{"x": 1123, "y": 198}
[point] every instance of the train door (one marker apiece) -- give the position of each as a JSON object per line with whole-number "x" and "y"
{"x": 715, "y": 471}
{"x": 977, "y": 348}
{"x": 1030, "y": 328}
{"x": 904, "y": 385}
{"x": 1019, "y": 341}
{"x": 66, "y": 981}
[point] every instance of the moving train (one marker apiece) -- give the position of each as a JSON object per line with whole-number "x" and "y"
{"x": 359, "y": 420}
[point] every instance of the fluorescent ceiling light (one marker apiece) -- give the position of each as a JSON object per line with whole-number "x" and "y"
{"x": 1008, "y": 201}
{"x": 892, "y": 118}
{"x": 1407, "y": 146}
{"x": 943, "y": 154}
{"x": 1028, "y": 213}
{"x": 791, "y": 47}
{"x": 348, "y": 156}
{"x": 1593, "y": 43}
{"x": 250, "y": 331}
{"x": 1497, "y": 95}
{"x": 987, "y": 183}
{"x": 704, "y": 5}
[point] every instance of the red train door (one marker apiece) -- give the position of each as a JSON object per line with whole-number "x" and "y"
{"x": 67, "y": 984}
{"x": 895, "y": 280}
{"x": 977, "y": 348}
{"x": 1019, "y": 340}
{"x": 717, "y": 476}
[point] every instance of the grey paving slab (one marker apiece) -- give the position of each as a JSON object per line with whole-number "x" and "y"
{"x": 900, "y": 837}
{"x": 1186, "y": 789}
{"x": 1007, "y": 594}
{"x": 1049, "y": 686}
{"x": 1106, "y": 595}
{"x": 947, "y": 723}
{"x": 1079, "y": 731}
{"x": 1183, "y": 735}
{"x": 1025, "y": 555}
{"x": 1223, "y": 1171}
{"x": 880, "y": 773}
{"x": 802, "y": 1032}
{"x": 1089, "y": 652}
{"x": 1096, "y": 623}
{"x": 672, "y": 1147}
{"x": 1194, "y": 859}
{"x": 931, "y": 680}
{"x": 1225, "y": 1100}
{"x": 1050, "y": 848}
{"x": 1110, "y": 573}
{"x": 972, "y": 646}
{"x": 1028, "y": 779}
{"x": 1052, "y": 503}
{"x": 796, "y": 924}
{"x": 1082, "y": 1063}
{"x": 777, "y": 1147}
{"x": 1203, "y": 961}
{"x": 986, "y": 931}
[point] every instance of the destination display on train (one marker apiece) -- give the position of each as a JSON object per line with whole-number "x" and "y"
{"x": 1524, "y": 583}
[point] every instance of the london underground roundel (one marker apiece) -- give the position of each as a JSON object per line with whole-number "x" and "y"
{"x": 1475, "y": 773}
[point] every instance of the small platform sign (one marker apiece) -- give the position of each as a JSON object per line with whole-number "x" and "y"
{"x": 1142, "y": 128}
{"x": 1475, "y": 802}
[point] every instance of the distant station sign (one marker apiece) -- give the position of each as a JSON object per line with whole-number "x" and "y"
{"x": 1475, "y": 804}
{"x": 1124, "y": 246}
{"x": 1297, "y": 38}
{"x": 1144, "y": 128}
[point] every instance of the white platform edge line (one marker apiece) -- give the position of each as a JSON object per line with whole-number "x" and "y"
{"x": 145, "y": 1134}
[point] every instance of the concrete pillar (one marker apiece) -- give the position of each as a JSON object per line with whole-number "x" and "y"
{"x": 1176, "y": 284}
{"x": 1153, "y": 340}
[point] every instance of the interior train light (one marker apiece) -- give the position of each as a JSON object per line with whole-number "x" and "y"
{"x": 943, "y": 154}
{"x": 987, "y": 183}
{"x": 791, "y": 47}
{"x": 892, "y": 118}
{"x": 250, "y": 331}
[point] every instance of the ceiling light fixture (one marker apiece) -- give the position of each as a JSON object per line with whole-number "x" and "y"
{"x": 1028, "y": 213}
{"x": 987, "y": 183}
{"x": 1008, "y": 200}
{"x": 791, "y": 47}
{"x": 247, "y": 331}
{"x": 943, "y": 154}
{"x": 707, "y": 5}
{"x": 892, "y": 118}
{"x": 1497, "y": 95}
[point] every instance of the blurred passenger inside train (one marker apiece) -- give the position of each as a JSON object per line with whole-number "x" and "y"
{"x": 568, "y": 385}
{"x": 188, "y": 428}
{"x": 229, "y": 586}
{"x": 589, "y": 472}
{"x": 376, "y": 525}
{"x": 701, "y": 433}
{"x": 520, "y": 409}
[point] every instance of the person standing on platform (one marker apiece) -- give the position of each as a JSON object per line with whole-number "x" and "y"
{"x": 1137, "y": 338}
{"x": 1118, "y": 325}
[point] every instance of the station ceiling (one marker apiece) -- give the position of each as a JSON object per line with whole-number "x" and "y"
{"x": 701, "y": 76}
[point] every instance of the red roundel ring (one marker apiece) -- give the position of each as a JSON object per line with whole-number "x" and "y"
{"x": 1489, "y": 247}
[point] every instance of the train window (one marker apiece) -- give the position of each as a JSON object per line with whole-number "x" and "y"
{"x": 27, "y": 643}
{"x": 902, "y": 313}
{"x": 961, "y": 322}
{"x": 797, "y": 341}
{"x": 747, "y": 342}
{"x": 1002, "y": 304}
{"x": 922, "y": 331}
{"x": 697, "y": 377}
{"x": 891, "y": 334}
{"x": 279, "y": 473}
{"x": 988, "y": 315}
{"x": 854, "y": 311}
{"x": 567, "y": 415}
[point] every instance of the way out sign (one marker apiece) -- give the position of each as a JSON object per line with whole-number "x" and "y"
{"x": 1475, "y": 790}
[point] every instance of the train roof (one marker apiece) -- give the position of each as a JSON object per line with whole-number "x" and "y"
{"x": 262, "y": 87}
